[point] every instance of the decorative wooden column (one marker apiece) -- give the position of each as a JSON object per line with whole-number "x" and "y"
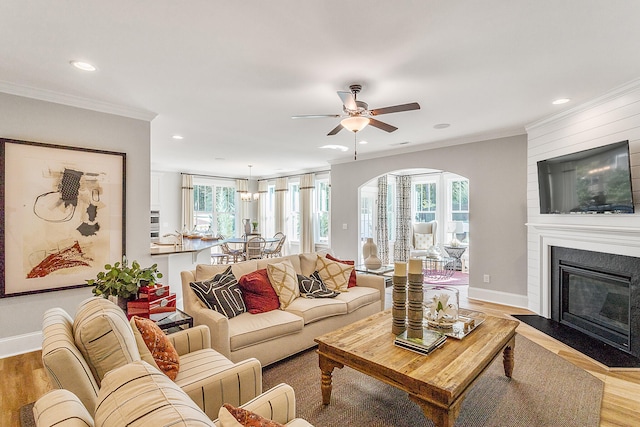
{"x": 415, "y": 298}
{"x": 399, "y": 307}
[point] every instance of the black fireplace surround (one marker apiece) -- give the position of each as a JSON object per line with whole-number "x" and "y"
{"x": 597, "y": 294}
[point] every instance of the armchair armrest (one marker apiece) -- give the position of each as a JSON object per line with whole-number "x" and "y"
{"x": 192, "y": 339}
{"x": 61, "y": 408}
{"x": 277, "y": 404}
{"x": 234, "y": 384}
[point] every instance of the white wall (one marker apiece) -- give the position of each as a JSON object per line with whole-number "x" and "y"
{"x": 47, "y": 122}
{"x": 497, "y": 181}
{"x": 610, "y": 118}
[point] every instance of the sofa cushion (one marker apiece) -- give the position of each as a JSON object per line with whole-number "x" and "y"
{"x": 138, "y": 394}
{"x": 314, "y": 287}
{"x": 284, "y": 281}
{"x": 257, "y": 292}
{"x": 230, "y": 416}
{"x": 307, "y": 263}
{"x": 352, "y": 277}
{"x": 208, "y": 271}
{"x": 249, "y": 329}
{"x": 293, "y": 259}
{"x": 162, "y": 351}
{"x": 103, "y": 335}
{"x": 334, "y": 274}
{"x": 316, "y": 309}
{"x": 222, "y": 294}
{"x": 358, "y": 297}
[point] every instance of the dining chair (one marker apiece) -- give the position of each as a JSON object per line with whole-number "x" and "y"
{"x": 275, "y": 250}
{"x": 255, "y": 248}
{"x": 221, "y": 257}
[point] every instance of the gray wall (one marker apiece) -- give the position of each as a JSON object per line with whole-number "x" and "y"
{"x": 34, "y": 120}
{"x": 497, "y": 172}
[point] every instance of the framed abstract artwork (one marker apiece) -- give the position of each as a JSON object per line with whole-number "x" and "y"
{"x": 62, "y": 215}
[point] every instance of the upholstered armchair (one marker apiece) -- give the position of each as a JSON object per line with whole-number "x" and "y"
{"x": 137, "y": 394}
{"x": 423, "y": 238}
{"x": 77, "y": 354}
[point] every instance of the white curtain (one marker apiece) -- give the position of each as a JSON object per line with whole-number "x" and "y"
{"x": 402, "y": 245}
{"x": 263, "y": 191}
{"x": 382, "y": 232}
{"x": 281, "y": 207}
{"x": 307, "y": 185}
{"x": 187, "y": 201}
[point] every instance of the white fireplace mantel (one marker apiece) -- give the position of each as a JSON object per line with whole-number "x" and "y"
{"x": 620, "y": 240}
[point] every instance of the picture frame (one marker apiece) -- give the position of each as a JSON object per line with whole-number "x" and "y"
{"x": 62, "y": 215}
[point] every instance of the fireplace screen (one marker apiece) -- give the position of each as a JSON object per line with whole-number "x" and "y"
{"x": 596, "y": 303}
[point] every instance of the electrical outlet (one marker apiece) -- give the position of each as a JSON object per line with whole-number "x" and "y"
{"x": 486, "y": 278}
{"x": 344, "y": 226}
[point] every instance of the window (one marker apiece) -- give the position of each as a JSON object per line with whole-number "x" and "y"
{"x": 269, "y": 219}
{"x": 214, "y": 208}
{"x": 368, "y": 197}
{"x": 321, "y": 223}
{"x": 293, "y": 222}
{"x": 424, "y": 201}
{"x": 459, "y": 202}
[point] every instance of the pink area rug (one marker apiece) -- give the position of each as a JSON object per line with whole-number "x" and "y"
{"x": 459, "y": 278}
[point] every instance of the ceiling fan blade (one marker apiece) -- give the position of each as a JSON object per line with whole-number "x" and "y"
{"x": 381, "y": 125}
{"x": 348, "y": 100}
{"x": 335, "y": 130}
{"x": 315, "y": 116}
{"x": 396, "y": 109}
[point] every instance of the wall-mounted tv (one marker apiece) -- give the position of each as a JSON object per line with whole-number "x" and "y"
{"x": 587, "y": 182}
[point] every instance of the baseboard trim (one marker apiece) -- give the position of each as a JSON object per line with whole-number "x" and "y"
{"x": 20, "y": 344}
{"x": 498, "y": 297}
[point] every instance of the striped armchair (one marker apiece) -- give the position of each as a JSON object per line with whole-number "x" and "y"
{"x": 78, "y": 353}
{"x": 137, "y": 394}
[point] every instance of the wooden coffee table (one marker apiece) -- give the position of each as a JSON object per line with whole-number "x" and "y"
{"x": 438, "y": 382}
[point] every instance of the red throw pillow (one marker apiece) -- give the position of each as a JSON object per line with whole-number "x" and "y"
{"x": 352, "y": 277}
{"x": 257, "y": 292}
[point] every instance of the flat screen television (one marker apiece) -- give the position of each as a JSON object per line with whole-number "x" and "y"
{"x": 587, "y": 182}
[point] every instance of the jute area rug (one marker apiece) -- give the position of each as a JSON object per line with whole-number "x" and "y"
{"x": 545, "y": 390}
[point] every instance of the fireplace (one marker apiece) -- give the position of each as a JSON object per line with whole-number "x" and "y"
{"x": 598, "y": 294}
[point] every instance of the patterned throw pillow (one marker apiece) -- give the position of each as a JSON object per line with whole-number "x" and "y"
{"x": 284, "y": 280}
{"x": 314, "y": 287}
{"x": 352, "y": 277}
{"x": 257, "y": 292}
{"x": 334, "y": 274}
{"x": 423, "y": 241}
{"x": 162, "y": 351}
{"x": 230, "y": 416}
{"x": 222, "y": 294}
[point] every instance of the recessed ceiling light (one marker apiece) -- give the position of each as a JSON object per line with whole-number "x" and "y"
{"x": 335, "y": 147}
{"x": 364, "y": 142}
{"x": 441, "y": 126}
{"x": 561, "y": 101}
{"x": 84, "y": 66}
{"x": 177, "y": 137}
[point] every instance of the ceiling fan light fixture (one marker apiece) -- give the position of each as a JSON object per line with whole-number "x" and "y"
{"x": 355, "y": 123}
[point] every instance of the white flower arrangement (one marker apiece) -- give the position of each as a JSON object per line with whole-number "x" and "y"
{"x": 441, "y": 309}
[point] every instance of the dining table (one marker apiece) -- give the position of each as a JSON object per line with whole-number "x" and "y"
{"x": 243, "y": 241}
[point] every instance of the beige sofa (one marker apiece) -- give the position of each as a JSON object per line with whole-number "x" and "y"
{"x": 137, "y": 394}
{"x": 277, "y": 334}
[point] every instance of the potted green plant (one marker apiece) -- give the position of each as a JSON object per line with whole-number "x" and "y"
{"x": 123, "y": 281}
{"x": 255, "y": 226}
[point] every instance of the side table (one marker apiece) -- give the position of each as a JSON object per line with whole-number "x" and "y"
{"x": 382, "y": 271}
{"x": 172, "y": 321}
{"x": 456, "y": 253}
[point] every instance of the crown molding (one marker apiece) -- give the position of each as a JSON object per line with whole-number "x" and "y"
{"x": 76, "y": 101}
{"x": 629, "y": 87}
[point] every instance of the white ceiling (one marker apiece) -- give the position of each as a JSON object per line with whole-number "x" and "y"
{"x": 228, "y": 76}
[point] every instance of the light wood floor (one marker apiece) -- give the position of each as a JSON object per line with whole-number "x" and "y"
{"x": 24, "y": 378}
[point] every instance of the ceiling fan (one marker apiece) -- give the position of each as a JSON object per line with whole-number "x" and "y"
{"x": 357, "y": 114}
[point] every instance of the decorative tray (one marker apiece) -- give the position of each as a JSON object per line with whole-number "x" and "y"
{"x": 468, "y": 321}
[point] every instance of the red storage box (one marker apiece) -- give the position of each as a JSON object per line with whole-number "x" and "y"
{"x": 144, "y": 307}
{"x": 153, "y": 293}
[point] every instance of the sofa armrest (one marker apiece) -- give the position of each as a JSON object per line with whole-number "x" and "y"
{"x": 235, "y": 385}
{"x": 61, "y": 408}
{"x": 192, "y": 339}
{"x": 373, "y": 281}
